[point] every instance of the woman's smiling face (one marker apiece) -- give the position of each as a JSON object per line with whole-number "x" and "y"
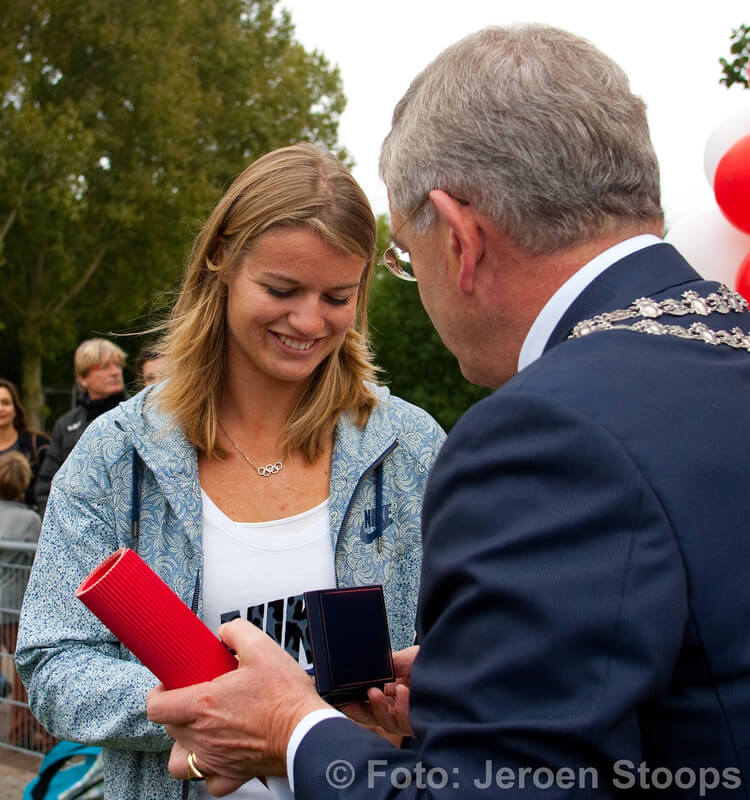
{"x": 290, "y": 304}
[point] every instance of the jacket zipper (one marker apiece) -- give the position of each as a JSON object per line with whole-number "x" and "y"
{"x": 194, "y": 609}
{"x": 375, "y": 464}
{"x": 135, "y": 520}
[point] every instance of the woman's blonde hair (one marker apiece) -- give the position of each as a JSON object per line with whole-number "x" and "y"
{"x": 297, "y": 187}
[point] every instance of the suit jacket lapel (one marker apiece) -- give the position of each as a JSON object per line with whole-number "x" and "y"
{"x": 645, "y": 273}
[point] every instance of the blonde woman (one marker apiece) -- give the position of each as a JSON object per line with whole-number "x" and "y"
{"x": 266, "y": 464}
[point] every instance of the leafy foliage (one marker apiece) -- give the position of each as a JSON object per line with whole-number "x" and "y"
{"x": 121, "y": 122}
{"x": 417, "y": 365}
{"x": 736, "y": 70}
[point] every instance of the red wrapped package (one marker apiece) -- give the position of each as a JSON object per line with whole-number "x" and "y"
{"x": 152, "y": 622}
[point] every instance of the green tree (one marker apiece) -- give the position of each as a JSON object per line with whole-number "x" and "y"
{"x": 416, "y": 364}
{"x": 735, "y": 71}
{"x": 121, "y": 122}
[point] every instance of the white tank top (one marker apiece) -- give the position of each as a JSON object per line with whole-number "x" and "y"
{"x": 259, "y": 571}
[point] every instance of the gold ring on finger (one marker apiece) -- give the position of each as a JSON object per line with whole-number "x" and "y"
{"x": 194, "y": 774}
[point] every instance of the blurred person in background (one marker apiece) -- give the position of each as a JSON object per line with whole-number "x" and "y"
{"x": 18, "y": 524}
{"x": 16, "y": 436}
{"x": 98, "y": 367}
{"x": 149, "y": 366}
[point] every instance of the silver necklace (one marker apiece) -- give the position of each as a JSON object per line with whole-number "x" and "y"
{"x": 264, "y": 472}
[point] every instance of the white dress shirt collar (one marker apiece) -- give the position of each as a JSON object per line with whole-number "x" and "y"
{"x": 553, "y": 311}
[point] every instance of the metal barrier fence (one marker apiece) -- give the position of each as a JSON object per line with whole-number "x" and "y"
{"x": 18, "y": 728}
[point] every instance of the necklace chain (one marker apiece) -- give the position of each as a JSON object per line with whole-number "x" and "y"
{"x": 264, "y": 472}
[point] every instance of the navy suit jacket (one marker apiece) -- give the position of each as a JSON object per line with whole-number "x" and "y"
{"x": 585, "y": 608}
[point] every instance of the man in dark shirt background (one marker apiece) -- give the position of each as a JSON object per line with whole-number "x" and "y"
{"x": 98, "y": 367}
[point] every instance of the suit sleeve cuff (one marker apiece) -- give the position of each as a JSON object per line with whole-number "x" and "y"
{"x": 304, "y": 726}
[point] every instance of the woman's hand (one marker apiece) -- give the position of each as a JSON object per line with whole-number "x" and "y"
{"x": 388, "y": 709}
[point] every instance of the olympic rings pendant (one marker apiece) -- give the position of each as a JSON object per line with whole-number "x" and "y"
{"x": 270, "y": 469}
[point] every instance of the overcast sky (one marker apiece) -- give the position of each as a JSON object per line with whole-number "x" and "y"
{"x": 669, "y": 49}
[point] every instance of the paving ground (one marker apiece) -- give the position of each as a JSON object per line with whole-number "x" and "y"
{"x": 16, "y": 770}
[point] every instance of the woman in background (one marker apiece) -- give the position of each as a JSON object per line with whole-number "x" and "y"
{"x": 16, "y": 436}
{"x": 268, "y": 463}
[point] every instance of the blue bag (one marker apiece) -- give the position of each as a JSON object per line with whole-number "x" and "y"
{"x": 69, "y": 771}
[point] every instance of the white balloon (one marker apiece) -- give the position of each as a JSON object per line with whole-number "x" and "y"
{"x": 728, "y": 133}
{"x": 712, "y": 245}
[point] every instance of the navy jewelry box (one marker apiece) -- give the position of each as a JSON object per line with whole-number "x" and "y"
{"x": 351, "y": 648}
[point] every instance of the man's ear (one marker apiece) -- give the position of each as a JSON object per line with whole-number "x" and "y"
{"x": 466, "y": 236}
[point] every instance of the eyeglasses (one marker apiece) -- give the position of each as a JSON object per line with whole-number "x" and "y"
{"x": 396, "y": 260}
{"x": 105, "y": 365}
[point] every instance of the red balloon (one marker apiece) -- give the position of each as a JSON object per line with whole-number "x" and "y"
{"x": 732, "y": 184}
{"x": 742, "y": 281}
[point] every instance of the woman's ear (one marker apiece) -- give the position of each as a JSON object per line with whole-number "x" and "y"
{"x": 465, "y": 235}
{"x": 216, "y": 256}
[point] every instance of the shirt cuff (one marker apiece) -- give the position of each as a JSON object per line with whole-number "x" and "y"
{"x": 304, "y": 726}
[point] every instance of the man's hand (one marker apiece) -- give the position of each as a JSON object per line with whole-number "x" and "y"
{"x": 388, "y": 709}
{"x": 217, "y": 785}
{"x": 239, "y": 724}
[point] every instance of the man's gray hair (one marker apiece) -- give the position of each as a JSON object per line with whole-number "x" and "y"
{"x": 534, "y": 126}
